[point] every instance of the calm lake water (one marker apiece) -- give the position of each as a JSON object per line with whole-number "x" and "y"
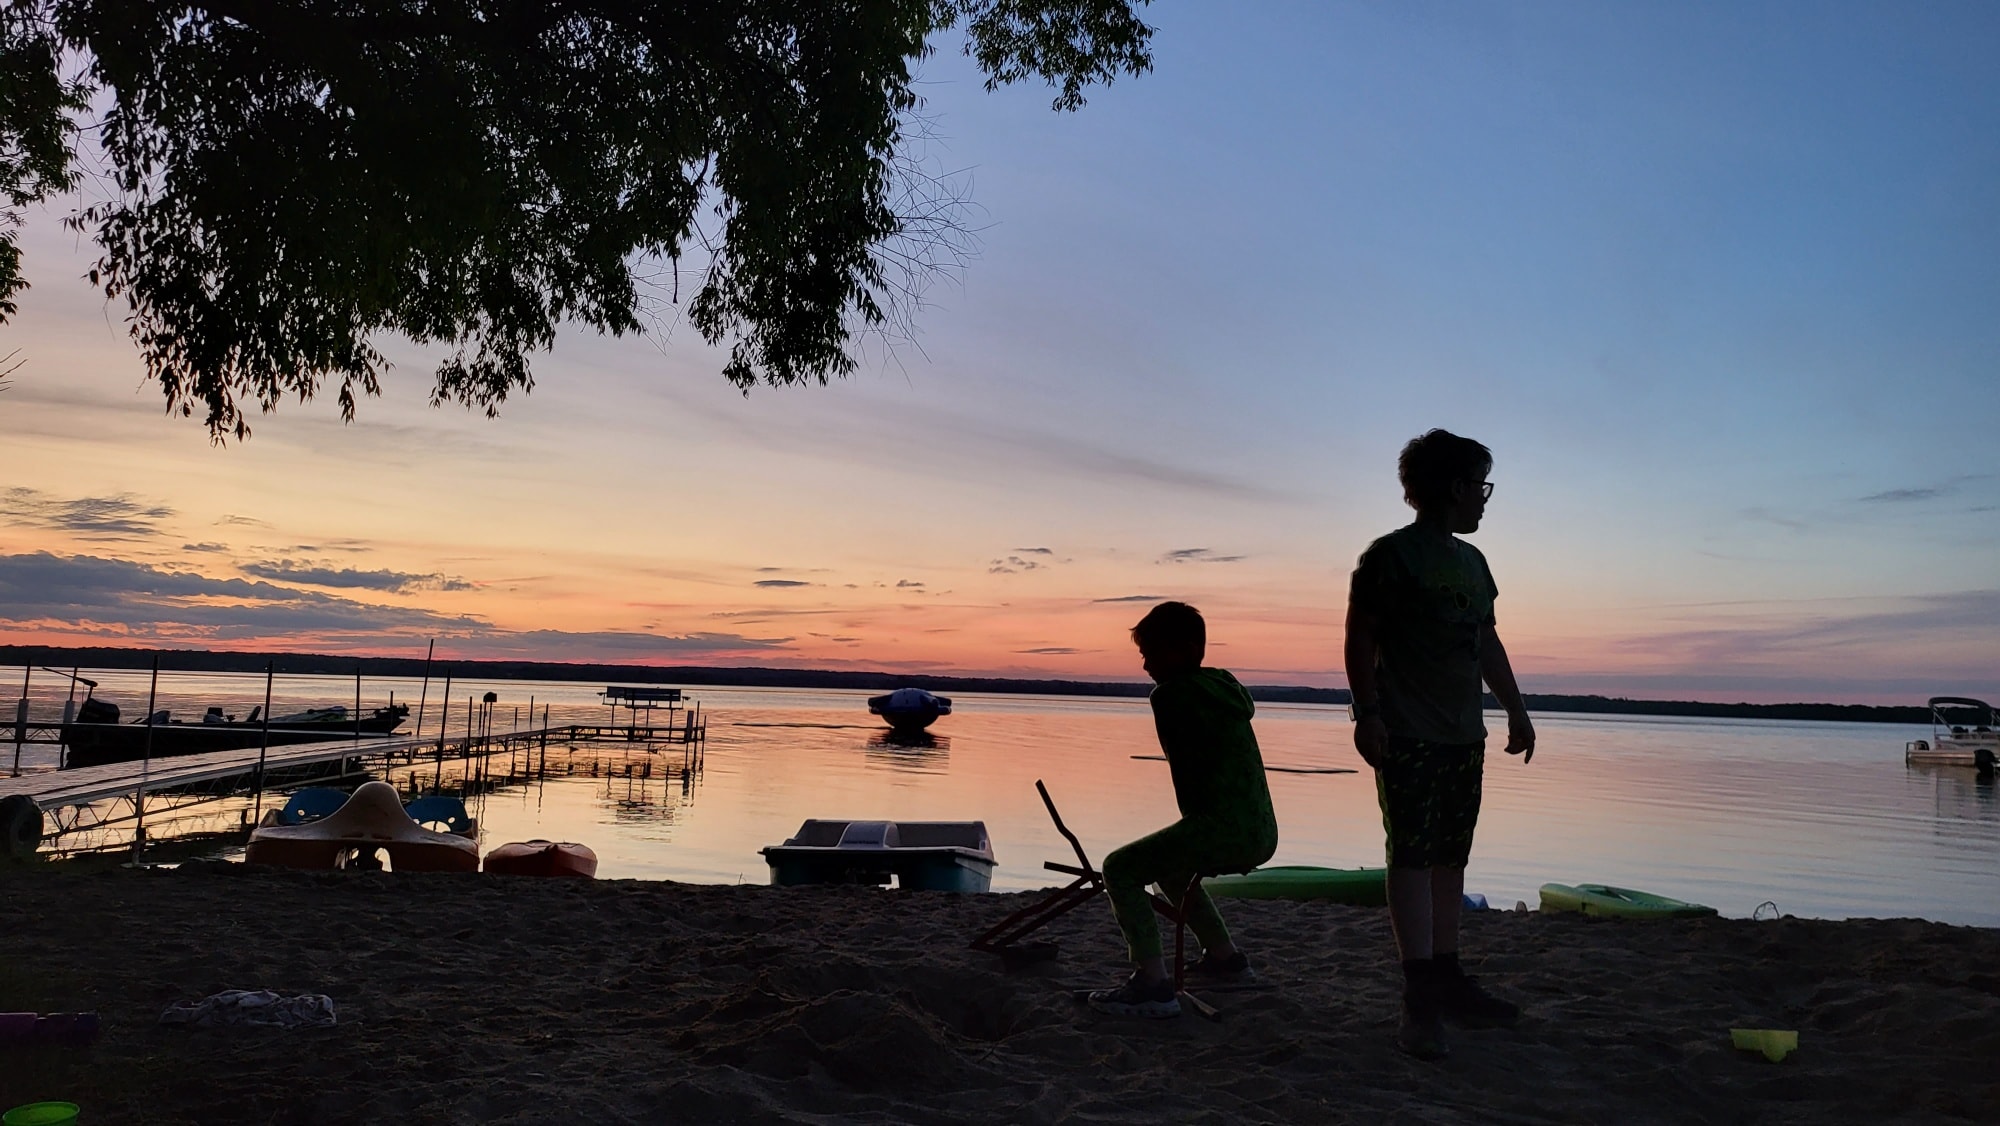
{"x": 1821, "y": 819}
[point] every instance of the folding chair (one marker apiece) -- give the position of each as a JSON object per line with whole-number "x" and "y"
{"x": 1004, "y": 937}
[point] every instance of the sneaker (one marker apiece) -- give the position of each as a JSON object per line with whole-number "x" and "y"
{"x": 1422, "y": 1032}
{"x": 1232, "y": 970}
{"x": 1138, "y": 998}
{"x": 1465, "y": 1002}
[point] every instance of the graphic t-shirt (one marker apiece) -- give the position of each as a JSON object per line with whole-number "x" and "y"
{"x": 1432, "y": 598}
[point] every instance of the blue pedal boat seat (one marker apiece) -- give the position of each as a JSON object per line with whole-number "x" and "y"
{"x": 310, "y": 804}
{"x": 437, "y": 809}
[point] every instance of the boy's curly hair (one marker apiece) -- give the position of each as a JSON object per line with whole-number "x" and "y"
{"x": 1432, "y": 462}
{"x": 1168, "y": 623}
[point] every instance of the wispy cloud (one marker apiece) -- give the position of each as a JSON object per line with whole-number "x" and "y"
{"x": 1765, "y": 516}
{"x": 1013, "y": 565}
{"x": 233, "y": 520}
{"x": 205, "y": 547}
{"x": 781, "y": 584}
{"x": 932, "y": 439}
{"x": 124, "y": 596}
{"x": 1894, "y": 496}
{"x": 1803, "y": 635}
{"x": 1035, "y": 550}
{"x": 1050, "y": 651}
{"x": 390, "y": 582}
{"x": 907, "y": 583}
{"x": 1944, "y": 488}
{"x": 1199, "y": 555}
{"x": 116, "y": 517}
{"x": 112, "y": 599}
{"x": 1133, "y": 598}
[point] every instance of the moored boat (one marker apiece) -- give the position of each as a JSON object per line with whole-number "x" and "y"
{"x": 371, "y": 821}
{"x": 919, "y": 855}
{"x": 542, "y": 858}
{"x": 1624, "y": 903}
{"x": 96, "y": 737}
{"x": 1964, "y": 732}
{"x": 909, "y": 710}
{"x": 1358, "y": 887}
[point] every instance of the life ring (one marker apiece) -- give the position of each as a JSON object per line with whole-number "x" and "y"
{"x": 20, "y": 826}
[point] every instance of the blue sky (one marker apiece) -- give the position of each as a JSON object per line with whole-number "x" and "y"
{"x": 1716, "y": 283}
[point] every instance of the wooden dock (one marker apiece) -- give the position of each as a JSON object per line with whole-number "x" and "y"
{"x": 96, "y": 797}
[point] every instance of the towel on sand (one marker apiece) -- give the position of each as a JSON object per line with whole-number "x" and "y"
{"x": 259, "y": 1008}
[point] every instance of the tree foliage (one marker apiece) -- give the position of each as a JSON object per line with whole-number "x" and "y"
{"x": 292, "y": 179}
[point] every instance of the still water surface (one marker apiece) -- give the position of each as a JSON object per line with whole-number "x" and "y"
{"x": 1822, "y": 819}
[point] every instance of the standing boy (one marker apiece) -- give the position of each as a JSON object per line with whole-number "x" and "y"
{"x": 1202, "y": 716}
{"x": 1420, "y": 638}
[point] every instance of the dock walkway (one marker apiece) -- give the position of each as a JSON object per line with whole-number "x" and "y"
{"x": 84, "y": 784}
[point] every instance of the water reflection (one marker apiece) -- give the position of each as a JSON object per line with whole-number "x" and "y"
{"x": 1960, "y": 793}
{"x": 919, "y": 752}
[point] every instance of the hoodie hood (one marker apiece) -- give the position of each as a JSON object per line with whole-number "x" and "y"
{"x": 1217, "y": 689}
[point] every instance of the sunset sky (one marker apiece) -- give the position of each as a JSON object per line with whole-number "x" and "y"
{"x": 1718, "y": 283}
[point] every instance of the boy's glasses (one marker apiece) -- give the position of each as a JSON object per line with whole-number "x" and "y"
{"x": 1486, "y": 490}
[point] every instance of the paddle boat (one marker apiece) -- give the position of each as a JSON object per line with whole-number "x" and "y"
{"x": 315, "y": 802}
{"x": 909, "y": 710}
{"x": 542, "y": 858}
{"x": 1964, "y": 732}
{"x": 1622, "y": 903}
{"x": 372, "y": 821}
{"x": 1358, "y": 887}
{"x": 920, "y": 855}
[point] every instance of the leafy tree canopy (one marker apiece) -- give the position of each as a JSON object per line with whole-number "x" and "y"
{"x": 289, "y": 179}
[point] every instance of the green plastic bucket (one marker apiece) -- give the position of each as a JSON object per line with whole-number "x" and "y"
{"x": 40, "y": 1114}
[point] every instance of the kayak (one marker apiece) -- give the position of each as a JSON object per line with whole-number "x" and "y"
{"x": 1624, "y": 903}
{"x": 1358, "y": 887}
{"x": 543, "y": 858}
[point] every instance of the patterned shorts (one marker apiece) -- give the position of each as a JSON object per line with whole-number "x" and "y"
{"x": 1430, "y": 801}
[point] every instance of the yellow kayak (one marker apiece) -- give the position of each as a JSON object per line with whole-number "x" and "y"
{"x": 1624, "y": 903}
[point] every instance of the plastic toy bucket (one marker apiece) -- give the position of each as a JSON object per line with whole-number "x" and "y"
{"x": 41, "y": 1114}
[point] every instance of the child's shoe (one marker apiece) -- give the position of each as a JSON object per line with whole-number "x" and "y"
{"x": 1421, "y": 1033}
{"x": 1232, "y": 970}
{"x": 1462, "y": 1000}
{"x": 1138, "y": 998}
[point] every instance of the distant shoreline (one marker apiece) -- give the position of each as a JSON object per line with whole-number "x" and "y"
{"x": 203, "y": 660}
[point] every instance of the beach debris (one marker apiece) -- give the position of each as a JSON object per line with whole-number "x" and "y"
{"x": 1765, "y": 911}
{"x": 71, "y": 1029}
{"x": 1775, "y": 1043}
{"x": 255, "y": 1008}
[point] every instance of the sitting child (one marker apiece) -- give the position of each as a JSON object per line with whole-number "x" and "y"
{"x": 1203, "y": 719}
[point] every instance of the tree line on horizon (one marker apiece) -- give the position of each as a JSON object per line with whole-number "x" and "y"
{"x": 753, "y": 676}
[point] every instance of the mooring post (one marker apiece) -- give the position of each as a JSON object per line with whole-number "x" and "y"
{"x": 145, "y": 766}
{"x": 270, "y": 669}
{"x": 424, "y": 696}
{"x": 21, "y": 718}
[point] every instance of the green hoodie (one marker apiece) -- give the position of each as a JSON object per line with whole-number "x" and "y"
{"x": 1203, "y": 720}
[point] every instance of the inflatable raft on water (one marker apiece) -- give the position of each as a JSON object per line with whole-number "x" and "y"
{"x": 1624, "y": 903}
{"x": 1358, "y": 887}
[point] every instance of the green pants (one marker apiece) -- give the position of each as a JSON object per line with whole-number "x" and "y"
{"x": 1172, "y": 858}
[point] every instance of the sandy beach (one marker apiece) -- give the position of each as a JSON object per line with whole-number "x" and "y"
{"x": 481, "y": 999}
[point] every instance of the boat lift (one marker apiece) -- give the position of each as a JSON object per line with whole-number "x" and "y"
{"x": 640, "y": 703}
